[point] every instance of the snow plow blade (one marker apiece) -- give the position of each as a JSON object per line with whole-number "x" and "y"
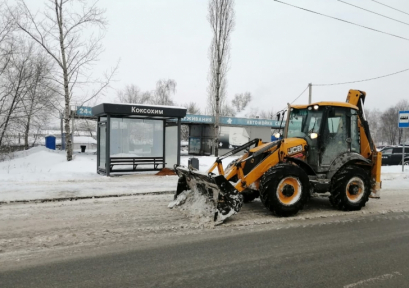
{"x": 221, "y": 194}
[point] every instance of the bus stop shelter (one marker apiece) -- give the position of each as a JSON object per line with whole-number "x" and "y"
{"x": 134, "y": 138}
{"x": 234, "y": 132}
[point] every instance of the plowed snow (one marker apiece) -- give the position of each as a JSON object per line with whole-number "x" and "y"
{"x": 195, "y": 205}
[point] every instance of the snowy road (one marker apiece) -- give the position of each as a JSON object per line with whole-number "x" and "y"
{"x": 370, "y": 251}
{"x": 57, "y": 230}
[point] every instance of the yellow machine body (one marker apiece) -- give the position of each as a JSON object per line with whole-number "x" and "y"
{"x": 326, "y": 146}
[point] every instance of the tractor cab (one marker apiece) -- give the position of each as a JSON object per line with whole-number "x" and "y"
{"x": 329, "y": 128}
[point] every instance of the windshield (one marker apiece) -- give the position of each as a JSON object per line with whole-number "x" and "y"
{"x": 303, "y": 122}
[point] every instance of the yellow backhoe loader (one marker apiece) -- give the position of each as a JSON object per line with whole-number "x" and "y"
{"x": 327, "y": 147}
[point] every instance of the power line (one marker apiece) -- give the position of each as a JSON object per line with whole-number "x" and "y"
{"x": 295, "y": 99}
{"x": 363, "y": 79}
{"x": 373, "y": 12}
{"x": 300, "y": 95}
{"x": 390, "y": 7}
{"x": 379, "y": 31}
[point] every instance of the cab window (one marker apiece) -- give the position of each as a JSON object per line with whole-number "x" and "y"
{"x": 355, "y": 141}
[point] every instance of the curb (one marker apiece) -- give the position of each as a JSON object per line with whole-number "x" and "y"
{"x": 83, "y": 198}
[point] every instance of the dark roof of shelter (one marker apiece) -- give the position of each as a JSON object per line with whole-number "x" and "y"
{"x": 153, "y": 111}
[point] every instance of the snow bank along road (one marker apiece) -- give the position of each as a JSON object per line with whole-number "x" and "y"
{"x": 51, "y": 231}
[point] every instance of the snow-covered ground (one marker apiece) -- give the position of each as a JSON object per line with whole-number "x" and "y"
{"x": 41, "y": 173}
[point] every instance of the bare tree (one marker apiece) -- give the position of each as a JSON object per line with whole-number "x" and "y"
{"x": 269, "y": 114}
{"x": 132, "y": 94}
{"x": 40, "y": 99}
{"x": 65, "y": 33}
{"x": 15, "y": 86}
{"x": 240, "y": 101}
{"x": 263, "y": 114}
{"x": 86, "y": 125}
{"x": 192, "y": 108}
{"x": 389, "y": 120}
{"x": 6, "y": 55}
{"x": 373, "y": 116}
{"x": 162, "y": 95}
{"x": 164, "y": 91}
{"x": 227, "y": 110}
{"x": 221, "y": 19}
{"x": 6, "y": 39}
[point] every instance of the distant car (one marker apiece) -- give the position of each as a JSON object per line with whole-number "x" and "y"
{"x": 393, "y": 156}
{"x": 380, "y": 148}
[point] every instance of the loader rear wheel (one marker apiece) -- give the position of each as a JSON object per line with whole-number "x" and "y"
{"x": 284, "y": 189}
{"x": 350, "y": 188}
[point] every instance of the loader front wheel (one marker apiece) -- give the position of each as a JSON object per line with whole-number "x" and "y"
{"x": 350, "y": 188}
{"x": 284, "y": 189}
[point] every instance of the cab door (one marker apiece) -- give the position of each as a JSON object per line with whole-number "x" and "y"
{"x": 337, "y": 132}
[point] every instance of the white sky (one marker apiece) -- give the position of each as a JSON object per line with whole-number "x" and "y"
{"x": 276, "y": 49}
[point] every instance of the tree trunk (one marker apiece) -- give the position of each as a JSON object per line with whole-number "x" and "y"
{"x": 26, "y": 133}
{"x": 217, "y": 119}
{"x": 67, "y": 114}
{"x": 30, "y": 113}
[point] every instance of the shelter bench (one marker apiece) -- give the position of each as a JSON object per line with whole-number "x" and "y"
{"x": 135, "y": 161}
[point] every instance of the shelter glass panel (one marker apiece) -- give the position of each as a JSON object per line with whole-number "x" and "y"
{"x": 171, "y": 148}
{"x": 102, "y": 145}
{"x": 136, "y": 137}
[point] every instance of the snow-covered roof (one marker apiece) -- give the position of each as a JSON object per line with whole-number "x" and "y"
{"x": 126, "y": 109}
{"x": 147, "y": 105}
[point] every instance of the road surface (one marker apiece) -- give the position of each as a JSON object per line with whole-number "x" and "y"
{"x": 138, "y": 242}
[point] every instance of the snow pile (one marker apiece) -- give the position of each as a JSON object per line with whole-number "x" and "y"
{"x": 195, "y": 205}
{"x": 42, "y": 164}
{"x": 40, "y": 173}
{"x": 393, "y": 178}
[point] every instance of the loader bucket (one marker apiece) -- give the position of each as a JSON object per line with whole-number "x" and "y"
{"x": 221, "y": 194}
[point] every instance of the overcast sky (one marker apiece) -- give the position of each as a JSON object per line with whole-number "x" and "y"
{"x": 276, "y": 49}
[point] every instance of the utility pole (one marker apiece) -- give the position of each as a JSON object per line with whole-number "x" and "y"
{"x": 310, "y": 93}
{"x": 403, "y": 150}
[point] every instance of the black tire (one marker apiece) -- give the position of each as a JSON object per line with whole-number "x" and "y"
{"x": 350, "y": 188}
{"x": 284, "y": 189}
{"x": 250, "y": 195}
